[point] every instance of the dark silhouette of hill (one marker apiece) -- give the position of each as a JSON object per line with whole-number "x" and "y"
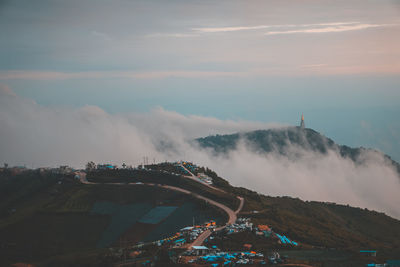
{"x": 280, "y": 140}
{"x": 47, "y": 218}
{"x": 45, "y": 208}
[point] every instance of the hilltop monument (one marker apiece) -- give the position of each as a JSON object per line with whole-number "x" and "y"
{"x": 302, "y": 125}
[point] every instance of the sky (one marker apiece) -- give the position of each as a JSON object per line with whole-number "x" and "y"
{"x": 110, "y": 81}
{"x": 337, "y": 62}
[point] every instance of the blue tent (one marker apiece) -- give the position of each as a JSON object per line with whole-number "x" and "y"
{"x": 287, "y": 239}
{"x": 281, "y": 238}
{"x": 228, "y": 256}
{"x": 211, "y": 258}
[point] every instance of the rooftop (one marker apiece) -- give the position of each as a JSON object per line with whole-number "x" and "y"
{"x": 199, "y": 247}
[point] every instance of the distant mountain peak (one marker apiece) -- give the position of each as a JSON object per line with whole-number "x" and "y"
{"x": 280, "y": 141}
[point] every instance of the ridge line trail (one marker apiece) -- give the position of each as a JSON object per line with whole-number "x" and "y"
{"x": 199, "y": 241}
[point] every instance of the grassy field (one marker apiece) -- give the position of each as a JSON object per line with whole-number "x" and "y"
{"x": 122, "y": 218}
{"x": 43, "y": 221}
{"x": 157, "y": 177}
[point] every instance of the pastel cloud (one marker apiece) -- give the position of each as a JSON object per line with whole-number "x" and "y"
{"x": 230, "y": 29}
{"x": 260, "y": 27}
{"x": 53, "y": 75}
{"x": 338, "y": 28}
{"x": 176, "y": 35}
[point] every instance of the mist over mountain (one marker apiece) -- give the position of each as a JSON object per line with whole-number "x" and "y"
{"x": 303, "y": 163}
{"x": 278, "y": 161}
{"x": 280, "y": 141}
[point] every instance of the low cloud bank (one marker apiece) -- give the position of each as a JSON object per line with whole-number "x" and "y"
{"x": 374, "y": 184}
{"x": 34, "y": 135}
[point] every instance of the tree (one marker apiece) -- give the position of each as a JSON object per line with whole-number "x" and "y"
{"x": 90, "y": 166}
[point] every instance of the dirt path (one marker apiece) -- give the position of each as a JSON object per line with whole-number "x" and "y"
{"x": 240, "y": 205}
{"x": 199, "y": 241}
{"x": 229, "y": 211}
{"x": 195, "y": 178}
{"x": 232, "y": 219}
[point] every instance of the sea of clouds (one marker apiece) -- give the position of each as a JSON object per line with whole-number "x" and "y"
{"x": 40, "y": 136}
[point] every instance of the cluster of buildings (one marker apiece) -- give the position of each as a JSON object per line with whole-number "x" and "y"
{"x": 183, "y": 236}
{"x": 202, "y": 255}
{"x": 193, "y": 232}
{"x": 190, "y": 166}
{"x": 213, "y": 256}
{"x": 204, "y": 178}
{"x": 190, "y": 233}
{"x": 184, "y": 166}
{"x": 106, "y": 166}
{"x": 244, "y": 224}
{"x": 241, "y": 224}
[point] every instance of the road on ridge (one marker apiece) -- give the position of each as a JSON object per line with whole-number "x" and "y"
{"x": 195, "y": 178}
{"x": 232, "y": 219}
{"x": 199, "y": 241}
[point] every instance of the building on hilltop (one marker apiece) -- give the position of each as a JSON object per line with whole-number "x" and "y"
{"x": 106, "y": 166}
{"x": 302, "y": 125}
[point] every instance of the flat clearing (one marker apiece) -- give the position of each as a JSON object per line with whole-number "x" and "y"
{"x": 122, "y": 218}
{"x": 157, "y": 214}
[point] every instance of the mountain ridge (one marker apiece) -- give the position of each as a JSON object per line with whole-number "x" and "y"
{"x": 279, "y": 141}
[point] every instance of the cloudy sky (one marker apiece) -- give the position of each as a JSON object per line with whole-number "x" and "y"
{"x": 109, "y": 80}
{"x": 336, "y": 61}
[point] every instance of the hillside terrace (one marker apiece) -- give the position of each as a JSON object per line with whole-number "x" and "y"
{"x": 161, "y": 176}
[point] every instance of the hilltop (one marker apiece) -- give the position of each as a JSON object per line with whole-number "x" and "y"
{"x": 282, "y": 139}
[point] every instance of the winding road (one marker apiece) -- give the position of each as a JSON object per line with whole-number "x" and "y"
{"x": 195, "y": 178}
{"x": 199, "y": 241}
